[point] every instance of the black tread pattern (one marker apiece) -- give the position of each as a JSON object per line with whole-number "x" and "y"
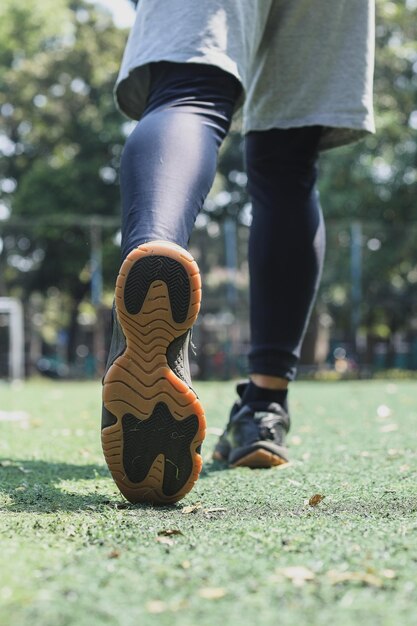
{"x": 161, "y": 433}
{"x": 148, "y": 269}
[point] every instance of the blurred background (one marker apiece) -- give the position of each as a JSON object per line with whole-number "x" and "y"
{"x": 60, "y": 143}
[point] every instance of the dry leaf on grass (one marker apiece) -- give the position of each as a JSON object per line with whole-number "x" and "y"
{"x": 165, "y": 534}
{"x": 212, "y": 593}
{"x": 168, "y": 532}
{"x": 156, "y": 606}
{"x": 298, "y": 574}
{"x": 316, "y": 499}
{"x": 193, "y": 508}
{"x": 215, "y": 509}
{"x": 365, "y": 578}
{"x": 114, "y": 554}
{"x": 123, "y": 505}
{"x": 388, "y": 428}
{"x": 166, "y": 541}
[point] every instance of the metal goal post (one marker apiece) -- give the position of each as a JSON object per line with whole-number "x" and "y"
{"x": 16, "y": 356}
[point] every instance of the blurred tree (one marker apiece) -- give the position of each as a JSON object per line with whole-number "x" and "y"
{"x": 376, "y": 181}
{"x": 61, "y": 139}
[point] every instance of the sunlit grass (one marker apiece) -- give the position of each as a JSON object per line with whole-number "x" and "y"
{"x": 250, "y": 549}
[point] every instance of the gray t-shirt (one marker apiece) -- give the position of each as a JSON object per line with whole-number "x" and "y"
{"x": 301, "y": 63}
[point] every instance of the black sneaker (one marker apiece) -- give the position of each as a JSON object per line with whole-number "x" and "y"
{"x": 153, "y": 424}
{"x": 255, "y": 435}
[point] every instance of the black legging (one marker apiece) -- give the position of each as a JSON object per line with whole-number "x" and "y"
{"x": 167, "y": 169}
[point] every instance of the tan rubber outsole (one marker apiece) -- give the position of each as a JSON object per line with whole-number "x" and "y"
{"x": 141, "y": 378}
{"x": 259, "y": 459}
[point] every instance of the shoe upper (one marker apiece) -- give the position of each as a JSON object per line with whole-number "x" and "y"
{"x": 258, "y": 421}
{"x": 177, "y": 357}
{"x": 118, "y": 341}
{"x": 256, "y": 424}
{"x": 177, "y": 351}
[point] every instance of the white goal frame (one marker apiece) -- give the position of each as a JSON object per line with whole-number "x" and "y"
{"x": 13, "y": 308}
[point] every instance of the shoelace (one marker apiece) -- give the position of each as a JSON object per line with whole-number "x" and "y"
{"x": 192, "y": 345}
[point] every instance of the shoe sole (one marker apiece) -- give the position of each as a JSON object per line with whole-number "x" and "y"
{"x": 259, "y": 459}
{"x": 254, "y": 459}
{"x": 152, "y": 448}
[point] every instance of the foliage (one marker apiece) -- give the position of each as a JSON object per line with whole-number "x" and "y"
{"x": 62, "y": 139}
{"x": 375, "y": 181}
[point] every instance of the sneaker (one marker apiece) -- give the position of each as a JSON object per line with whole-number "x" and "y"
{"x": 153, "y": 424}
{"x": 255, "y": 435}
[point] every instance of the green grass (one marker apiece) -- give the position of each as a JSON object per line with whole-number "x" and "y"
{"x": 72, "y": 554}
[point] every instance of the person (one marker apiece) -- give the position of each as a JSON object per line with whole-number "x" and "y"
{"x": 303, "y": 75}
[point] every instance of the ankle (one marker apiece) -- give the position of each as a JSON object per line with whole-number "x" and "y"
{"x": 269, "y": 382}
{"x": 253, "y": 393}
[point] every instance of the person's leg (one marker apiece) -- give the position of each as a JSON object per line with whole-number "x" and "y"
{"x": 286, "y": 249}
{"x": 153, "y": 423}
{"x": 169, "y": 161}
{"x": 299, "y": 99}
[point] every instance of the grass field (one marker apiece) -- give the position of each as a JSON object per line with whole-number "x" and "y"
{"x": 244, "y": 547}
